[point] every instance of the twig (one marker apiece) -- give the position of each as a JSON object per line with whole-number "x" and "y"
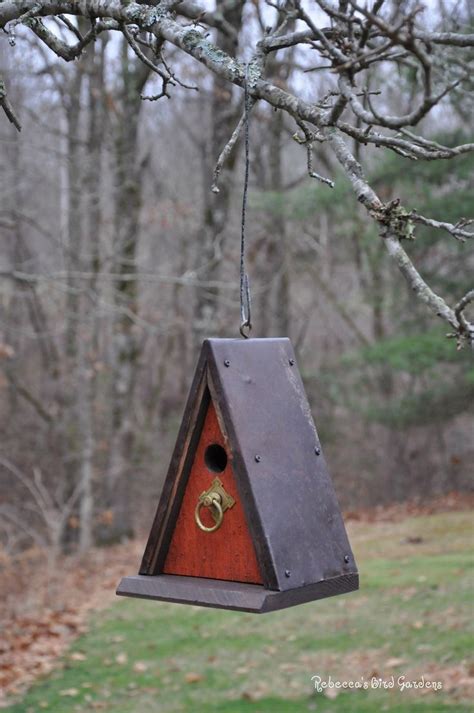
{"x": 228, "y": 148}
{"x": 308, "y": 142}
{"x": 7, "y": 107}
{"x": 456, "y": 229}
{"x": 466, "y": 329}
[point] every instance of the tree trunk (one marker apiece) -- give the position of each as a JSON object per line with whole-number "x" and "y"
{"x": 215, "y": 216}
{"x": 74, "y": 215}
{"x": 88, "y": 345}
{"x": 274, "y": 319}
{"x": 126, "y": 347}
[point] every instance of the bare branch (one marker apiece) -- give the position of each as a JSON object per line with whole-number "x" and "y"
{"x": 142, "y": 56}
{"x": 465, "y": 328}
{"x": 227, "y": 150}
{"x": 7, "y": 107}
{"x": 62, "y": 49}
{"x": 25, "y": 393}
{"x": 308, "y": 142}
{"x": 354, "y": 41}
{"x": 456, "y": 229}
{"x": 416, "y": 148}
{"x": 451, "y": 39}
{"x": 373, "y": 117}
{"x": 390, "y": 230}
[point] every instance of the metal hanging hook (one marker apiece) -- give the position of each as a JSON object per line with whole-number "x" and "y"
{"x": 245, "y": 308}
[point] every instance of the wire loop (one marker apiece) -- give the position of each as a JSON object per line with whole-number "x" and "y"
{"x": 245, "y": 300}
{"x": 245, "y": 309}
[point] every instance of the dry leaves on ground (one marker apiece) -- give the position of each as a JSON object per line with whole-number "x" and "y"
{"x": 45, "y": 609}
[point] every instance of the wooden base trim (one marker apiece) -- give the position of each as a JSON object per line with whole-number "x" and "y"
{"x": 230, "y": 595}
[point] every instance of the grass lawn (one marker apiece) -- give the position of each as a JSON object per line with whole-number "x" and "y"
{"x": 411, "y": 617}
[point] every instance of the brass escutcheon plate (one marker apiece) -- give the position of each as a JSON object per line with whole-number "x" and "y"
{"x": 218, "y": 500}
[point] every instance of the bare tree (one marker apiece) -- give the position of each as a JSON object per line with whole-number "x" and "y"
{"x": 224, "y": 112}
{"x": 42, "y": 515}
{"x": 357, "y": 47}
{"x": 134, "y": 72}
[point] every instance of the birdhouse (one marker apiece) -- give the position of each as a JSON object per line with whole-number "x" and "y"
{"x": 248, "y": 517}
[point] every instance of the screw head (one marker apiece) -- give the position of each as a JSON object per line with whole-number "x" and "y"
{"x": 226, "y": 362}
{"x": 346, "y": 559}
{"x": 317, "y": 450}
{"x": 258, "y": 459}
{"x": 291, "y": 362}
{"x": 287, "y": 573}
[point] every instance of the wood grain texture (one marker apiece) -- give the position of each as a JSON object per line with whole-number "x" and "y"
{"x": 227, "y": 553}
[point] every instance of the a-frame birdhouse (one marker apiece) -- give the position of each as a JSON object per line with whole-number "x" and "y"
{"x": 248, "y": 517}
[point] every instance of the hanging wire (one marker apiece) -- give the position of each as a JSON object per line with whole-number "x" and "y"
{"x": 245, "y": 300}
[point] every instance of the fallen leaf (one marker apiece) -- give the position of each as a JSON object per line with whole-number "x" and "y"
{"x": 394, "y": 662}
{"x": 192, "y": 677}
{"x": 6, "y": 351}
{"x": 287, "y": 666}
{"x": 69, "y": 692}
{"x": 140, "y": 667}
{"x": 250, "y": 696}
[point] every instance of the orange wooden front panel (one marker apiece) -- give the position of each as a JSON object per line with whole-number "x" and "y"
{"x": 227, "y": 553}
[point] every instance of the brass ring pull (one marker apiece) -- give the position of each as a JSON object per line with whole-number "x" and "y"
{"x": 213, "y": 502}
{"x": 218, "y": 500}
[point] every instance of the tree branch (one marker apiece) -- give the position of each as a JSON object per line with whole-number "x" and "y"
{"x": 355, "y": 39}
{"x": 7, "y": 107}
